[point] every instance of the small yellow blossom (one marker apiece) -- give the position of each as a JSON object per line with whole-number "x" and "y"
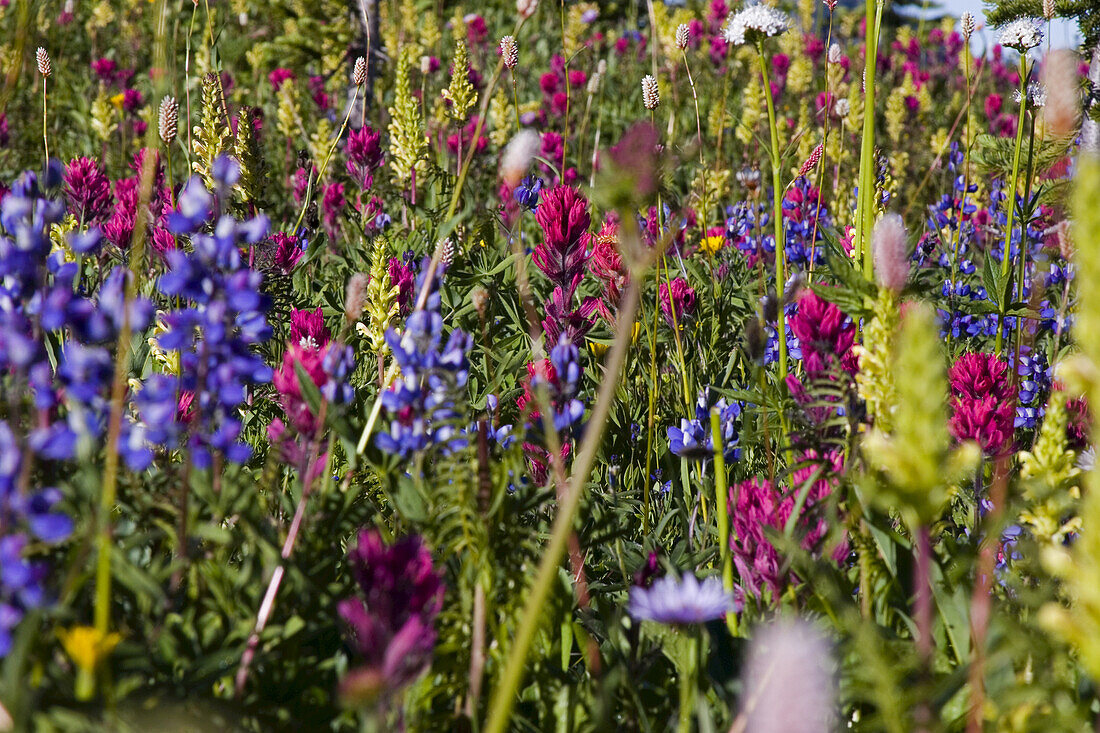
{"x": 117, "y": 99}
{"x": 88, "y": 646}
{"x": 712, "y": 245}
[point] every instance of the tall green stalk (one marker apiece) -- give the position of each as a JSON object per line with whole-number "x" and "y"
{"x": 721, "y": 496}
{"x": 1002, "y": 297}
{"x": 504, "y": 696}
{"x": 865, "y": 219}
{"x": 777, "y": 216}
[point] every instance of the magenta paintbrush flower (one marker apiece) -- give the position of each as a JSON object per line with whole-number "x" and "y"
{"x": 982, "y": 401}
{"x": 390, "y": 623}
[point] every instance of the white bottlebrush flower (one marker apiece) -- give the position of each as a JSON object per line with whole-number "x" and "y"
{"x": 755, "y": 23}
{"x": 835, "y": 53}
{"x": 509, "y": 51}
{"x": 789, "y": 681}
{"x": 1022, "y": 34}
{"x": 966, "y": 23}
{"x": 651, "y": 97}
{"x": 683, "y": 36}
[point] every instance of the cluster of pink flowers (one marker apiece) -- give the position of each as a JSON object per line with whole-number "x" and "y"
{"x": 982, "y": 402}
{"x": 759, "y": 505}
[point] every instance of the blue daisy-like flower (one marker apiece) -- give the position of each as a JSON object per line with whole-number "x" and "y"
{"x": 682, "y": 601}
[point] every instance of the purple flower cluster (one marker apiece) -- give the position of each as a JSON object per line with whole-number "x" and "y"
{"x": 563, "y": 216}
{"x": 422, "y": 401}
{"x": 391, "y": 623}
{"x": 694, "y": 439}
{"x": 222, "y": 317}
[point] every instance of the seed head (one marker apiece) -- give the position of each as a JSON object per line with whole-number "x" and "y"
{"x": 1063, "y": 96}
{"x": 359, "y": 75}
{"x": 356, "y": 296}
{"x": 683, "y": 36}
{"x": 830, "y": 4}
{"x": 1048, "y": 9}
{"x": 789, "y": 680}
{"x": 651, "y": 97}
{"x": 835, "y": 54}
{"x": 967, "y": 24}
{"x": 479, "y": 296}
{"x": 888, "y": 242}
{"x": 447, "y": 255}
{"x": 168, "y": 119}
{"x": 45, "y": 68}
{"x": 842, "y": 108}
{"x": 812, "y": 161}
{"x": 519, "y": 153}
{"x": 509, "y": 51}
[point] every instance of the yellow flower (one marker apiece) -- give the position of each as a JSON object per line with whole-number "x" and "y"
{"x": 117, "y": 100}
{"x": 711, "y": 245}
{"x": 87, "y": 646}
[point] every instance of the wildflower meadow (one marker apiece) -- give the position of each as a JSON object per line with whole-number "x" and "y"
{"x": 532, "y": 365}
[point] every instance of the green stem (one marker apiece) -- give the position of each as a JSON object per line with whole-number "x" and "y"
{"x": 1002, "y": 297}
{"x": 45, "y": 138}
{"x": 504, "y": 697}
{"x": 777, "y": 216}
{"x": 721, "y": 496}
{"x": 864, "y": 216}
{"x": 687, "y": 683}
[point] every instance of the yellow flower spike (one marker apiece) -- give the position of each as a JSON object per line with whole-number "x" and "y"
{"x": 87, "y": 647}
{"x": 712, "y": 245}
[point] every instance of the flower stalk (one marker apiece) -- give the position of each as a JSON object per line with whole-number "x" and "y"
{"x": 1002, "y": 297}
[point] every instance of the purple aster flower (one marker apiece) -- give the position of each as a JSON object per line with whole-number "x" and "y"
{"x": 681, "y": 602}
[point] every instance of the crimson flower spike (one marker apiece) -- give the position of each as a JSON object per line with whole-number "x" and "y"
{"x": 812, "y": 161}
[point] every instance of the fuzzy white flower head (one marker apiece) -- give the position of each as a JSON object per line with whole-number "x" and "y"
{"x": 789, "y": 680}
{"x": 755, "y": 23}
{"x": 842, "y": 108}
{"x": 1022, "y": 34}
{"x": 1036, "y": 95}
{"x": 835, "y": 53}
{"x": 518, "y": 155}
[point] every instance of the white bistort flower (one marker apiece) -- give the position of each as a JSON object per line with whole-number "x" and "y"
{"x": 755, "y": 23}
{"x": 1022, "y": 34}
{"x": 1036, "y": 95}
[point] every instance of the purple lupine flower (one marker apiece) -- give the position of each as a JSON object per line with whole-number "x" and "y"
{"x": 221, "y": 319}
{"x": 391, "y": 622}
{"x": 694, "y": 440}
{"x": 87, "y": 190}
{"x": 421, "y": 402}
{"x": 527, "y": 192}
{"x": 682, "y": 601}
